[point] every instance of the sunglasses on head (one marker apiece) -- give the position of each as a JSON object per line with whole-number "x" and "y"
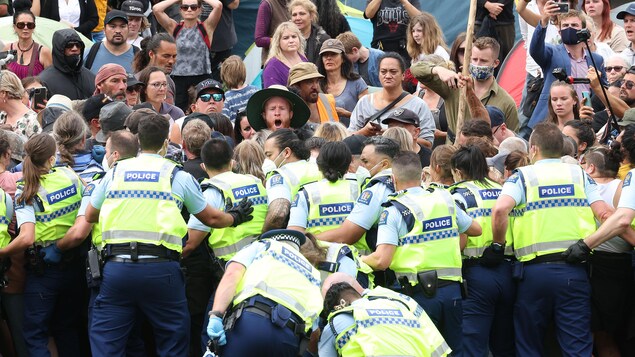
{"x": 207, "y": 97}
{"x": 73, "y": 44}
{"x": 194, "y": 7}
{"x": 22, "y": 25}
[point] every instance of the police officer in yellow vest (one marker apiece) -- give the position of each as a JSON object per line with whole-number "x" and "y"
{"x": 269, "y": 297}
{"x": 46, "y": 205}
{"x": 489, "y": 306}
{"x": 287, "y": 168}
{"x": 375, "y": 322}
{"x": 6, "y": 214}
{"x": 553, "y": 205}
{"x": 138, "y": 206}
{"x": 418, "y": 238}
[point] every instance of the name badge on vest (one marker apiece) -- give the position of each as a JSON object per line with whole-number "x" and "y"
{"x": 336, "y": 209}
{"x": 437, "y": 223}
{"x": 62, "y": 194}
{"x": 555, "y": 191}
{"x": 141, "y": 176}
{"x": 246, "y": 191}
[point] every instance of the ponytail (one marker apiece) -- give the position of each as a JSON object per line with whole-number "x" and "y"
{"x": 39, "y": 149}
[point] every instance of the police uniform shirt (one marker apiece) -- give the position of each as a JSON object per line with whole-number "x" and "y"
{"x": 368, "y": 206}
{"x": 88, "y": 190}
{"x": 184, "y": 186}
{"x": 278, "y": 187}
{"x": 299, "y": 213}
{"x": 515, "y": 188}
{"x": 25, "y": 213}
{"x": 326, "y": 345}
{"x": 247, "y": 255}
{"x": 215, "y": 199}
{"x": 392, "y": 225}
{"x": 627, "y": 199}
{"x": 9, "y": 204}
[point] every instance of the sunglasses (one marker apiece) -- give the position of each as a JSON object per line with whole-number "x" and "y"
{"x": 135, "y": 88}
{"x": 207, "y": 97}
{"x": 73, "y": 44}
{"x": 22, "y": 25}
{"x": 616, "y": 68}
{"x": 194, "y": 7}
{"x": 629, "y": 84}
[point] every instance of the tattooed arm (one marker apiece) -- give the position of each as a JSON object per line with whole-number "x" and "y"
{"x": 277, "y": 215}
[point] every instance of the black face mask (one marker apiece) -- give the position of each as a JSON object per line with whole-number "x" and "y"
{"x": 569, "y": 36}
{"x": 73, "y": 61}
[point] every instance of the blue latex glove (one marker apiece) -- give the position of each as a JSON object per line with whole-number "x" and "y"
{"x": 215, "y": 330}
{"x": 52, "y": 254}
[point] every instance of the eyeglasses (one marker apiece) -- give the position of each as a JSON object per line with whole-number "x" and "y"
{"x": 495, "y": 130}
{"x": 72, "y": 44}
{"x": 629, "y": 84}
{"x": 616, "y": 68}
{"x": 194, "y": 7}
{"x": 207, "y": 97}
{"x": 22, "y": 25}
{"x": 158, "y": 85}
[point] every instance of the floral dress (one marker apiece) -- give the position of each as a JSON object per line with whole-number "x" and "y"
{"x": 26, "y": 126}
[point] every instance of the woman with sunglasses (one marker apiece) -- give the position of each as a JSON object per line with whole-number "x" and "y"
{"x": 32, "y": 58}
{"x": 193, "y": 41}
{"x": 155, "y": 90}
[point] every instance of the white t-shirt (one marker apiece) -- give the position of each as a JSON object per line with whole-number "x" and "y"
{"x": 70, "y": 11}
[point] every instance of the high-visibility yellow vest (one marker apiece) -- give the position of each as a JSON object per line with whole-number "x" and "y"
{"x": 59, "y": 196}
{"x": 226, "y": 242}
{"x": 385, "y": 177}
{"x": 433, "y": 243}
{"x": 5, "y": 238}
{"x": 386, "y": 327}
{"x": 298, "y": 175}
{"x": 334, "y": 253}
{"x": 140, "y": 206}
{"x": 282, "y": 274}
{"x": 480, "y": 200}
{"x": 556, "y": 213}
{"x": 329, "y": 203}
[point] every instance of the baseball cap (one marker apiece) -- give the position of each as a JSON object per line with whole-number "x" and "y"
{"x": 402, "y": 115}
{"x": 628, "y": 119}
{"x": 332, "y": 45}
{"x": 15, "y": 143}
{"x": 288, "y": 235}
{"x": 60, "y": 101}
{"x": 115, "y": 14}
{"x": 209, "y": 84}
{"x": 630, "y": 10}
{"x": 303, "y": 71}
{"x": 355, "y": 143}
{"x": 132, "y": 8}
{"x": 133, "y": 81}
{"x": 112, "y": 117}
{"x": 496, "y": 116}
{"x": 93, "y": 105}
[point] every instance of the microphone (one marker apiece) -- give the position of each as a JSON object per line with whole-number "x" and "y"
{"x": 561, "y": 75}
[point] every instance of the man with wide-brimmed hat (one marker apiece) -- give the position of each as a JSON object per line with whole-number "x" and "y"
{"x": 276, "y": 108}
{"x": 305, "y": 77}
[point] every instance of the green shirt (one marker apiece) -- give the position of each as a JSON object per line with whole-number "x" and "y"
{"x": 496, "y": 97}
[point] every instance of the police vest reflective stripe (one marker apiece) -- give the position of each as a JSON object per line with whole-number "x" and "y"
{"x": 329, "y": 203}
{"x": 5, "y": 238}
{"x": 434, "y": 235}
{"x": 302, "y": 173}
{"x": 60, "y": 196}
{"x": 283, "y": 275}
{"x": 484, "y": 197}
{"x": 143, "y": 185}
{"x": 386, "y": 327}
{"x": 226, "y": 242}
{"x": 556, "y": 213}
{"x": 325, "y": 106}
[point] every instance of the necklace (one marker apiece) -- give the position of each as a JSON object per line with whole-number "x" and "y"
{"x": 21, "y": 61}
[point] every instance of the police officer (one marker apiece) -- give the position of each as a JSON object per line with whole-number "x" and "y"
{"x": 6, "y": 215}
{"x": 553, "y": 205}
{"x": 46, "y": 205}
{"x": 269, "y": 296}
{"x": 376, "y": 157}
{"x": 376, "y": 325}
{"x": 488, "y": 307}
{"x": 138, "y": 208}
{"x": 287, "y": 168}
{"x": 418, "y": 238}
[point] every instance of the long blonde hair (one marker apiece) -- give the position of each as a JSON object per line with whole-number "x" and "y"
{"x": 432, "y": 35}
{"x": 274, "y": 47}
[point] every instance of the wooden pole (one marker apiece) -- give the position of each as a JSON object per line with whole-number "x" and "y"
{"x": 469, "y": 40}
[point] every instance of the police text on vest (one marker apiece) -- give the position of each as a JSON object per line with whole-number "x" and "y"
{"x": 556, "y": 191}
{"x": 62, "y": 194}
{"x": 144, "y": 176}
{"x": 437, "y": 223}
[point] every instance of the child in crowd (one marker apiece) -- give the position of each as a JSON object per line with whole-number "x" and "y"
{"x": 233, "y": 74}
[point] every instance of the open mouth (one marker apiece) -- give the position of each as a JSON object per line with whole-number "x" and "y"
{"x": 277, "y": 123}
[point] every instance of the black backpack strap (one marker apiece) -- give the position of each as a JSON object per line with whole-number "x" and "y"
{"x": 91, "y": 55}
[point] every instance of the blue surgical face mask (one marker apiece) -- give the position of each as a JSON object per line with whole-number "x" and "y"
{"x": 481, "y": 73}
{"x": 569, "y": 36}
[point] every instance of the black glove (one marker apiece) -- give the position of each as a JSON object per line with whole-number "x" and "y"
{"x": 578, "y": 252}
{"x": 493, "y": 255}
{"x": 241, "y": 212}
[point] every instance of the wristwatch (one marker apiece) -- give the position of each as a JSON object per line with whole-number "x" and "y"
{"x": 497, "y": 247}
{"x": 216, "y": 313}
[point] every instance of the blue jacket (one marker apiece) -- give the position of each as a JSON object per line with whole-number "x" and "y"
{"x": 549, "y": 57}
{"x": 373, "y": 66}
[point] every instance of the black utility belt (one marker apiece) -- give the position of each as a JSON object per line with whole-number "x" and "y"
{"x": 278, "y": 314}
{"x": 469, "y": 262}
{"x": 553, "y": 258}
{"x": 135, "y": 249}
{"x": 427, "y": 282}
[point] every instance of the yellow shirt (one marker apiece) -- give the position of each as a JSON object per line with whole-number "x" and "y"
{"x": 101, "y": 12}
{"x": 624, "y": 169}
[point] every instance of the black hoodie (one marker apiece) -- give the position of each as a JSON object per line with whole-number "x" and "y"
{"x": 62, "y": 78}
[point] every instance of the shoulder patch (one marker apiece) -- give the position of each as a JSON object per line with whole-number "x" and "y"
{"x": 88, "y": 190}
{"x": 627, "y": 179}
{"x": 17, "y": 205}
{"x": 591, "y": 180}
{"x": 276, "y": 180}
{"x": 383, "y": 218}
{"x": 295, "y": 201}
{"x": 365, "y": 197}
{"x": 513, "y": 178}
